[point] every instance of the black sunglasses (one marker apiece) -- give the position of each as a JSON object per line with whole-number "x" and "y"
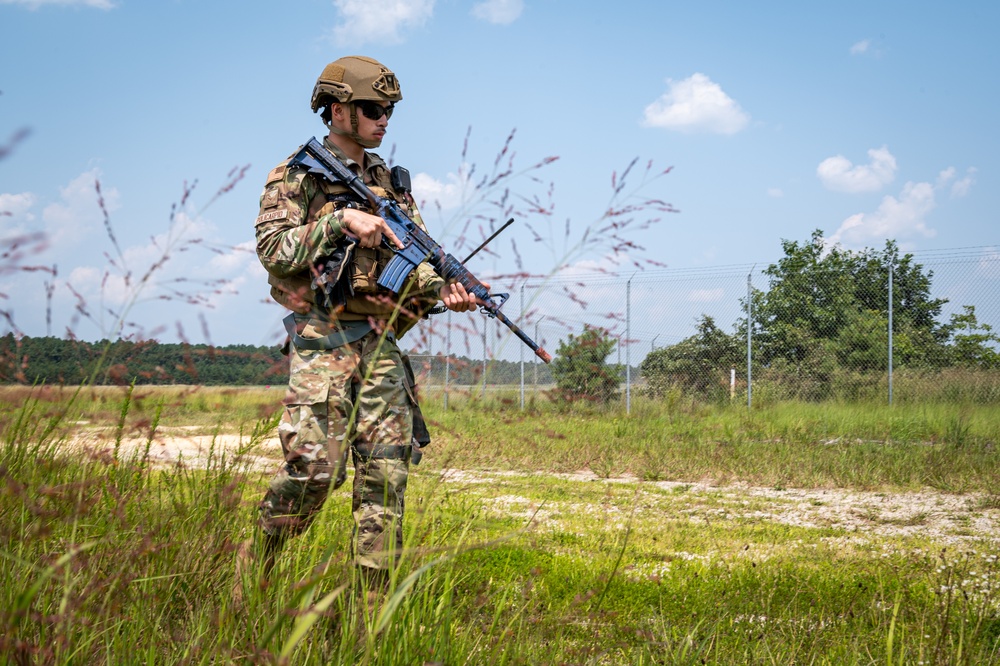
{"x": 374, "y": 110}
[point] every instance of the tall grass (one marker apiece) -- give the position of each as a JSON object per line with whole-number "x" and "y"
{"x": 187, "y": 406}
{"x": 951, "y": 385}
{"x": 107, "y": 559}
{"x": 906, "y": 447}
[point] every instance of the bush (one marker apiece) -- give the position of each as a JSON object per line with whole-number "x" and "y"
{"x": 699, "y": 364}
{"x": 579, "y": 369}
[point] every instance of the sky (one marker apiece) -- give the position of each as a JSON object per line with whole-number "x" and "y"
{"x": 139, "y": 134}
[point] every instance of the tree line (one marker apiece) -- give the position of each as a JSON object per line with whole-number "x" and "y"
{"x": 50, "y": 360}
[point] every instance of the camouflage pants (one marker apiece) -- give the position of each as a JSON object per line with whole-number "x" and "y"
{"x": 352, "y": 398}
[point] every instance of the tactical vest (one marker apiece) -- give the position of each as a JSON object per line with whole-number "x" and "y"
{"x": 362, "y": 266}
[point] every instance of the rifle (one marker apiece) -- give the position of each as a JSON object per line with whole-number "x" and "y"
{"x": 418, "y": 246}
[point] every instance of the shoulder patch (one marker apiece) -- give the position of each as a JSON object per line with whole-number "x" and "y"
{"x": 270, "y": 198}
{"x": 277, "y": 173}
{"x": 272, "y": 215}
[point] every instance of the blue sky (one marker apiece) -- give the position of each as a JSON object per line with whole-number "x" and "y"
{"x": 866, "y": 120}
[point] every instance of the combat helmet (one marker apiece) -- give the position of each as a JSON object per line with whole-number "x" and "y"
{"x": 351, "y": 79}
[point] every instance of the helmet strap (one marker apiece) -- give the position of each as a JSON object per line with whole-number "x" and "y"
{"x": 353, "y": 134}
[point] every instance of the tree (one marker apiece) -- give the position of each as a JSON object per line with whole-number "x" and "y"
{"x": 699, "y": 363}
{"x": 579, "y": 368}
{"x": 828, "y": 300}
{"x": 974, "y": 343}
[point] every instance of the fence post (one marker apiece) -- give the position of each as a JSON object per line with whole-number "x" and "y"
{"x": 447, "y": 361}
{"x": 521, "y": 347}
{"x": 618, "y": 347}
{"x": 749, "y": 340}
{"x": 628, "y": 350}
{"x": 890, "y": 330}
{"x": 430, "y": 353}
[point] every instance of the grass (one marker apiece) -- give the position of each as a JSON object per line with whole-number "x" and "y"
{"x": 789, "y": 444}
{"x": 511, "y": 558}
{"x": 233, "y": 408}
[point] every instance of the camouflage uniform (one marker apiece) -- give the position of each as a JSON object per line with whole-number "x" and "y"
{"x": 353, "y": 396}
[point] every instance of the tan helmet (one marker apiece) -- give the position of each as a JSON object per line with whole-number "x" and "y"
{"x": 353, "y": 78}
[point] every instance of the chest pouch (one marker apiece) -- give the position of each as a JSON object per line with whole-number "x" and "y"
{"x": 330, "y": 288}
{"x": 332, "y": 275}
{"x": 368, "y": 264}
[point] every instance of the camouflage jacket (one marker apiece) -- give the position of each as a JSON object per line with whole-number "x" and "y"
{"x": 300, "y": 224}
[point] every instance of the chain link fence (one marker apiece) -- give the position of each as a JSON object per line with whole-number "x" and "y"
{"x": 823, "y": 324}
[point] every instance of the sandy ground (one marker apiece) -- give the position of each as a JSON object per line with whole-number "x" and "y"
{"x": 946, "y": 518}
{"x": 933, "y": 514}
{"x": 173, "y": 446}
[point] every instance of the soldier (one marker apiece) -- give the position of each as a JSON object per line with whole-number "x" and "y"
{"x": 348, "y": 389}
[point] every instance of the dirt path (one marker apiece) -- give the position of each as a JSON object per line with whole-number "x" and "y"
{"x": 929, "y": 513}
{"x": 172, "y": 446}
{"x": 950, "y": 519}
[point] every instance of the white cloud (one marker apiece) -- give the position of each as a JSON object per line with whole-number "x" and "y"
{"x": 185, "y": 282}
{"x": 235, "y": 260}
{"x": 35, "y": 4}
{"x": 378, "y": 21}
{"x": 444, "y": 195}
{"x": 895, "y": 218}
{"x": 839, "y": 174}
{"x": 160, "y": 279}
{"x": 77, "y": 212}
{"x": 861, "y": 47}
{"x": 775, "y": 192}
{"x": 91, "y": 282}
{"x": 16, "y": 205}
{"x": 959, "y": 188}
{"x": 16, "y": 216}
{"x": 962, "y": 186}
{"x": 696, "y": 104}
{"x": 500, "y": 12}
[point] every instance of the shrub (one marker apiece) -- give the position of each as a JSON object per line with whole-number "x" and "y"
{"x": 579, "y": 368}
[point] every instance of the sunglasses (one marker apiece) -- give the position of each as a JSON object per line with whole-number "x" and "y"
{"x": 374, "y": 110}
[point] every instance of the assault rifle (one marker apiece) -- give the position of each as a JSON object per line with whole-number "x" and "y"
{"x": 418, "y": 246}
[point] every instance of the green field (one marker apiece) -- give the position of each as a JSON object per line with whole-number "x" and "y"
{"x": 806, "y": 533}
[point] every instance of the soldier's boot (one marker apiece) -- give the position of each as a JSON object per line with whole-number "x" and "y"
{"x": 260, "y": 550}
{"x": 376, "y": 587}
{"x": 372, "y": 586}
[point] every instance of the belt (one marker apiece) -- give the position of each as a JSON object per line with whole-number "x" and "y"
{"x": 382, "y": 451}
{"x": 346, "y": 333}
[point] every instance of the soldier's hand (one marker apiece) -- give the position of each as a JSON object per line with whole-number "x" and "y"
{"x": 456, "y": 298}
{"x": 367, "y": 228}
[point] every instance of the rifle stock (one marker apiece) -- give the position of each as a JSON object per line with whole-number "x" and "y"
{"x": 418, "y": 246}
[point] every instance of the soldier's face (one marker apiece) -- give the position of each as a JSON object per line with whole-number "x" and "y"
{"x": 372, "y": 129}
{"x": 368, "y": 129}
